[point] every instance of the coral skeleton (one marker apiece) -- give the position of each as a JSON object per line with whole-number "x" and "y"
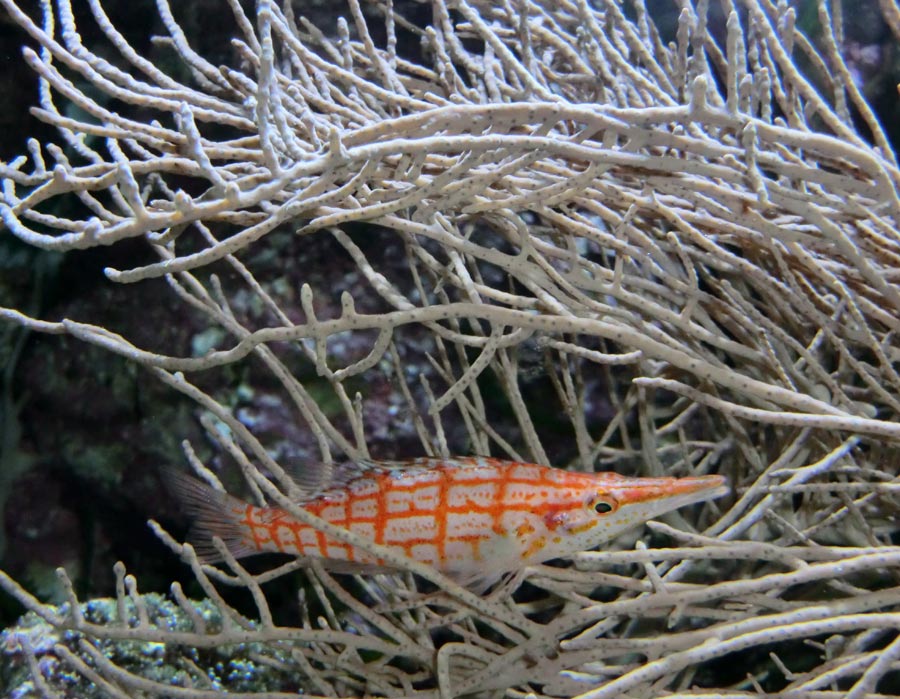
{"x": 690, "y": 234}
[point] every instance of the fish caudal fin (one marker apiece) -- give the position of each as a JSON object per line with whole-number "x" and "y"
{"x": 214, "y": 514}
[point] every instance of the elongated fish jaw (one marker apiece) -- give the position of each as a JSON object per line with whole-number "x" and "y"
{"x": 642, "y": 499}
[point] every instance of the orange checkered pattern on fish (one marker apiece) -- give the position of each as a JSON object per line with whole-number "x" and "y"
{"x": 466, "y": 516}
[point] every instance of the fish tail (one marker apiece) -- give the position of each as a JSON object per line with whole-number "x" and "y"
{"x": 214, "y": 513}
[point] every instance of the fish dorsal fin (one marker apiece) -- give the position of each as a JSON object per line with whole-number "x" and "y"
{"x": 312, "y": 478}
{"x": 309, "y": 476}
{"x": 316, "y": 478}
{"x": 428, "y": 462}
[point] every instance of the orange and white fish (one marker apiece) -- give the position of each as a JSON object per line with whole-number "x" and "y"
{"x": 473, "y": 518}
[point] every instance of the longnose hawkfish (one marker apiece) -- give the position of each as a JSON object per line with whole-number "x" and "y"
{"x": 464, "y": 516}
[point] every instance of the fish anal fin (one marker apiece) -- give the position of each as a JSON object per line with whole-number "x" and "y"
{"x": 353, "y": 567}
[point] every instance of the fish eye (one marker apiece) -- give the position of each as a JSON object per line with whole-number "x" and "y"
{"x": 603, "y": 506}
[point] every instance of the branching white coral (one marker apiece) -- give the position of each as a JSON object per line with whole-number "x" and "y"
{"x": 699, "y": 224}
